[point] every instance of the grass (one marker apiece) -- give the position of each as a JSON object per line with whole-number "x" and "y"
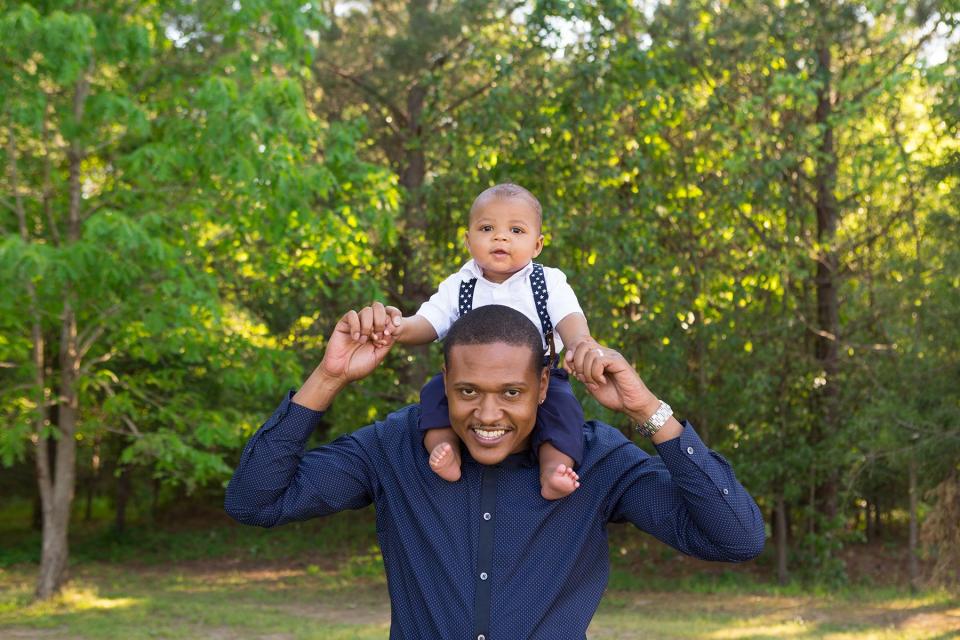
{"x": 348, "y": 600}
{"x": 208, "y": 578}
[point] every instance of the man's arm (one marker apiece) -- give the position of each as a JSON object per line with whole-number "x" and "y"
{"x": 689, "y": 496}
{"x": 275, "y": 482}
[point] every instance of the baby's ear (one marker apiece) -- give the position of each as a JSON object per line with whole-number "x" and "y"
{"x": 539, "y": 246}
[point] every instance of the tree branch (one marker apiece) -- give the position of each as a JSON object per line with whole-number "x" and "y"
{"x": 365, "y": 87}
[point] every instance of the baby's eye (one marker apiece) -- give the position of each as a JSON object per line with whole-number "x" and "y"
{"x": 486, "y": 227}
{"x": 516, "y": 229}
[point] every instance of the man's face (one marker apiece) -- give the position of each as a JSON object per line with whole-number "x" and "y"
{"x": 493, "y": 394}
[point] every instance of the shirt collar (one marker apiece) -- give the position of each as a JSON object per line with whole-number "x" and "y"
{"x": 474, "y": 271}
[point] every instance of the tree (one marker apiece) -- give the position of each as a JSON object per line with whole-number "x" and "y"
{"x": 123, "y": 190}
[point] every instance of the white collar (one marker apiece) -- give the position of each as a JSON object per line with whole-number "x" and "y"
{"x": 474, "y": 271}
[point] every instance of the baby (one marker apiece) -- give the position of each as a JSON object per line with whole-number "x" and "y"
{"x": 503, "y": 239}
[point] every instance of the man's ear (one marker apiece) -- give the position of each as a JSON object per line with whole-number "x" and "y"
{"x": 544, "y": 384}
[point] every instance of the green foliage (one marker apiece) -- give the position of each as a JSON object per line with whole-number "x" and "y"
{"x": 246, "y": 173}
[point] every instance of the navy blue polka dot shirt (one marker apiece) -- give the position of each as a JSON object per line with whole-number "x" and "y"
{"x": 488, "y": 558}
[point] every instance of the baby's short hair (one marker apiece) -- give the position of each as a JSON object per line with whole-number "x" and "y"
{"x": 506, "y": 191}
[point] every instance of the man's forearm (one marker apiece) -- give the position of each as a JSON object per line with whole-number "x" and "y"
{"x": 671, "y": 428}
{"x": 318, "y": 391}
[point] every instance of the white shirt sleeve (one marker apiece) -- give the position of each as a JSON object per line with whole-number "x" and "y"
{"x": 562, "y": 301}
{"x": 443, "y": 307}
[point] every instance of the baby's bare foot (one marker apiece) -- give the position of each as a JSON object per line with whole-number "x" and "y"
{"x": 445, "y": 462}
{"x": 560, "y": 483}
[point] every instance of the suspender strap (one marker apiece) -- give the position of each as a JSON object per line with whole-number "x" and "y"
{"x": 538, "y": 284}
{"x": 540, "y": 295}
{"x": 466, "y": 295}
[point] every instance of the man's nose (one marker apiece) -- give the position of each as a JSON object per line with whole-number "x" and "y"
{"x": 489, "y": 411}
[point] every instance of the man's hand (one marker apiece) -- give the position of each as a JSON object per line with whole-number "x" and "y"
{"x": 611, "y": 380}
{"x": 359, "y": 342}
{"x": 616, "y": 385}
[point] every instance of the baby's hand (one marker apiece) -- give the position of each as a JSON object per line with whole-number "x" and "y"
{"x": 391, "y": 328}
{"x": 569, "y": 359}
{"x": 378, "y": 325}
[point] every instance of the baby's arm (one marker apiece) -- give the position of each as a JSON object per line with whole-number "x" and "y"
{"x": 414, "y": 330}
{"x": 573, "y": 330}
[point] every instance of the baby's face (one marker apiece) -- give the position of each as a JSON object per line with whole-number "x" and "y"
{"x": 503, "y": 237}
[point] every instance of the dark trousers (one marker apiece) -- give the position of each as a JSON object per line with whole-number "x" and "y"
{"x": 559, "y": 418}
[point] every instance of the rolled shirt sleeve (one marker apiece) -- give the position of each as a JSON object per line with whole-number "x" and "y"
{"x": 442, "y": 307}
{"x": 562, "y": 301}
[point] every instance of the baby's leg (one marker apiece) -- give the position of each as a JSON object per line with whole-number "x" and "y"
{"x": 558, "y": 438}
{"x": 557, "y": 477}
{"x": 444, "y": 447}
{"x": 439, "y": 439}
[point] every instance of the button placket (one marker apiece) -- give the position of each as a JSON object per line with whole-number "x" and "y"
{"x": 488, "y": 498}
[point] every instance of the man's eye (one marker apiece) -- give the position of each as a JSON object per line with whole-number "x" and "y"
{"x": 512, "y": 393}
{"x": 468, "y": 393}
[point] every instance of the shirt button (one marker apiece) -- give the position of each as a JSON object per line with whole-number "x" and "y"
{"x": 726, "y": 491}
{"x": 486, "y": 516}
{"x": 690, "y": 450}
{"x": 483, "y": 575}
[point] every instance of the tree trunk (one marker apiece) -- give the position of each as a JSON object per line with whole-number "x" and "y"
{"x": 122, "y": 497}
{"x": 57, "y": 496}
{"x": 56, "y": 508}
{"x": 697, "y": 362}
{"x": 88, "y": 507}
{"x": 36, "y": 518}
{"x": 155, "y": 501}
{"x": 780, "y": 536}
{"x": 912, "y": 564}
{"x": 93, "y": 480}
{"x": 416, "y": 278}
{"x": 828, "y": 314}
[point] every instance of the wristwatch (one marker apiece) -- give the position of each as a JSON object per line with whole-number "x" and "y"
{"x": 659, "y": 418}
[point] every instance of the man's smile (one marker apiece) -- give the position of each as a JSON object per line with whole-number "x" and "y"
{"x": 489, "y": 435}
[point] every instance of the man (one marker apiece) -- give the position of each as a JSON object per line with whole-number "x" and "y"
{"x": 488, "y": 557}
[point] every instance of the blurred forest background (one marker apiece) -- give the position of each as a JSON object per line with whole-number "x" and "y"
{"x": 758, "y": 202}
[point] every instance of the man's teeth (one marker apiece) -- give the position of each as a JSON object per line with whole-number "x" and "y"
{"x": 489, "y": 434}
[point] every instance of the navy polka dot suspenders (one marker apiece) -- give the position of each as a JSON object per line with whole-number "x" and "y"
{"x": 538, "y": 283}
{"x": 466, "y": 295}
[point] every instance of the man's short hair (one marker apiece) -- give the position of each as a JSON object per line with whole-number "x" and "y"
{"x": 507, "y": 191}
{"x": 496, "y": 323}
